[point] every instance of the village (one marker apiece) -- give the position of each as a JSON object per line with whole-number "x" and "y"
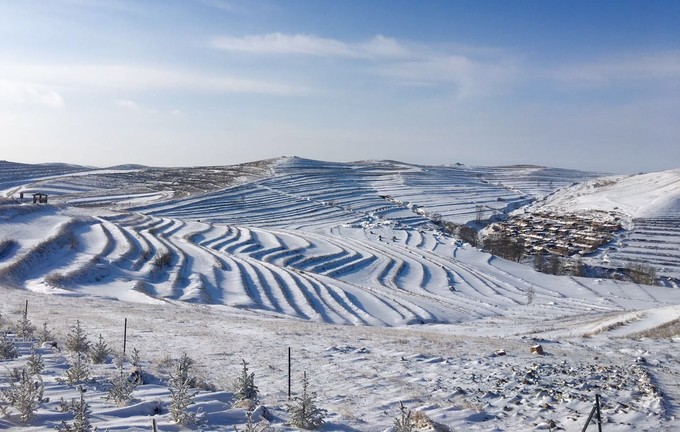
{"x": 559, "y": 234}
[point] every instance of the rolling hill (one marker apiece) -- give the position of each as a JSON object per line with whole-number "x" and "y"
{"x": 329, "y": 247}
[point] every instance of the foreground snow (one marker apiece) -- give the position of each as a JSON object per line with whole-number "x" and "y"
{"x": 451, "y": 374}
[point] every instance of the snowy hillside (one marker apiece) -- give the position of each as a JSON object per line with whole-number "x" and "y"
{"x": 649, "y": 205}
{"x": 343, "y": 262}
{"x": 637, "y": 196}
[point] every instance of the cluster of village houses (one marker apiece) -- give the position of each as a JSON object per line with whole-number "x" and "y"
{"x": 560, "y": 234}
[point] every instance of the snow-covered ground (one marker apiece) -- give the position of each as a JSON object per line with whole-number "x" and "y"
{"x": 342, "y": 263}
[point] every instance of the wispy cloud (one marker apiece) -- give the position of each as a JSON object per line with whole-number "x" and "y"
{"x": 302, "y": 44}
{"x": 127, "y": 77}
{"x": 278, "y": 43}
{"x": 469, "y": 77}
{"x": 470, "y": 71}
{"x": 26, "y": 93}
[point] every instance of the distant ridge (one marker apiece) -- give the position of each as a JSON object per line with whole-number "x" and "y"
{"x": 128, "y": 167}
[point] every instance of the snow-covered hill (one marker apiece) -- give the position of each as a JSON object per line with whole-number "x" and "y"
{"x": 242, "y": 261}
{"x": 638, "y": 196}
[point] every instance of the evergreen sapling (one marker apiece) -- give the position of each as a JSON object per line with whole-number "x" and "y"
{"x": 76, "y": 340}
{"x": 303, "y": 410}
{"x": 7, "y": 348}
{"x": 25, "y": 395}
{"x": 25, "y": 329}
{"x": 246, "y": 390}
{"x": 78, "y": 372}
{"x": 44, "y": 335}
{"x": 35, "y": 363}
{"x": 404, "y": 423}
{"x": 121, "y": 390}
{"x": 81, "y": 420}
{"x": 100, "y": 351}
{"x": 180, "y": 392}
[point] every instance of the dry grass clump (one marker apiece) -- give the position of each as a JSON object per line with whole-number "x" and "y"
{"x": 668, "y": 330}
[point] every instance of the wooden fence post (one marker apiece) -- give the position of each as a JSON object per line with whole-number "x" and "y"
{"x": 124, "y": 336}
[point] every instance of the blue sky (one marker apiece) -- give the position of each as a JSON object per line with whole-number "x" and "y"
{"x": 579, "y": 84}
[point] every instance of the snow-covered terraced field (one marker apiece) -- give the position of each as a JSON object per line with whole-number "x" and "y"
{"x": 343, "y": 244}
{"x": 654, "y": 241}
{"x": 320, "y": 241}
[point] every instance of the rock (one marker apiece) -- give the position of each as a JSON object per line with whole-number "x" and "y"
{"x": 536, "y": 349}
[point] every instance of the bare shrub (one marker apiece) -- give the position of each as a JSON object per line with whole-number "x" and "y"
{"x": 162, "y": 260}
{"x": 641, "y": 273}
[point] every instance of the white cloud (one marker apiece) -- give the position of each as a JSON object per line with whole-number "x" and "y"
{"x": 278, "y": 43}
{"x": 27, "y": 93}
{"x": 470, "y": 71}
{"x": 130, "y": 77}
{"x": 379, "y": 47}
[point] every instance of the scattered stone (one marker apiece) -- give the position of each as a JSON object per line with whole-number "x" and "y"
{"x": 536, "y": 349}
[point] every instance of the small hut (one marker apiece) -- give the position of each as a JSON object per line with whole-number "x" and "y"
{"x": 39, "y": 198}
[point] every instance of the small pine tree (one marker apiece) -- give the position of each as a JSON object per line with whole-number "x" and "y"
{"x": 44, "y": 334}
{"x": 100, "y": 351}
{"x": 78, "y": 372}
{"x": 303, "y": 410}
{"x": 134, "y": 358}
{"x": 25, "y": 395}
{"x": 404, "y": 423}
{"x": 245, "y": 385}
{"x": 180, "y": 392}
{"x": 25, "y": 329}
{"x": 76, "y": 340}
{"x": 35, "y": 363}
{"x": 81, "y": 411}
{"x": 7, "y": 348}
{"x": 121, "y": 389}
